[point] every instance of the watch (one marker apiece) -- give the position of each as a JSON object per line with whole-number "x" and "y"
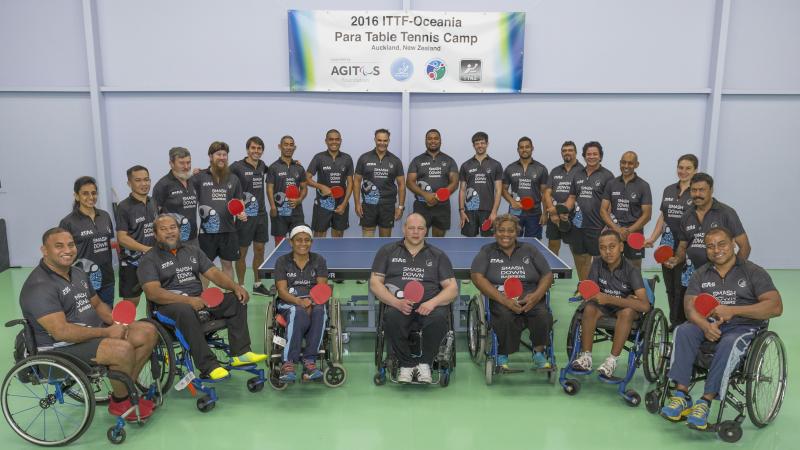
{"x": 401, "y": 207}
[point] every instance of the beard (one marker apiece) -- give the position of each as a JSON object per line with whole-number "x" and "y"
{"x": 183, "y": 176}
{"x": 220, "y": 174}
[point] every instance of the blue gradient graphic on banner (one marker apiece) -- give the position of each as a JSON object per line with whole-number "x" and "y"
{"x": 509, "y": 63}
{"x": 301, "y": 58}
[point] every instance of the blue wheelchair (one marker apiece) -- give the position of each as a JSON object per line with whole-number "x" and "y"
{"x": 482, "y": 340}
{"x": 646, "y": 345}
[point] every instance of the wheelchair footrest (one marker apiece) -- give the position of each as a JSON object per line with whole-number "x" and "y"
{"x": 611, "y": 379}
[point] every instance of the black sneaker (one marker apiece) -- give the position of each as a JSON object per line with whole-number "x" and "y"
{"x": 260, "y": 290}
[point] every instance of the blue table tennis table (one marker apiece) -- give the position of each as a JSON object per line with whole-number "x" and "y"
{"x": 351, "y": 258}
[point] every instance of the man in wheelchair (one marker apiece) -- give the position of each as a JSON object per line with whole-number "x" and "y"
{"x": 395, "y": 265}
{"x": 622, "y": 295}
{"x": 747, "y": 300}
{"x": 68, "y": 317}
{"x": 170, "y": 277}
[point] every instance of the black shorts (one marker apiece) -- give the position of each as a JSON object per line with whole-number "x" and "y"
{"x": 436, "y": 216}
{"x": 84, "y": 351}
{"x": 553, "y": 233}
{"x": 632, "y": 253}
{"x": 473, "y": 227}
{"x": 129, "y": 286}
{"x": 584, "y": 241}
{"x": 254, "y": 229}
{"x": 282, "y": 225}
{"x": 378, "y": 215}
{"x": 224, "y": 245}
{"x": 611, "y": 310}
{"x": 322, "y": 219}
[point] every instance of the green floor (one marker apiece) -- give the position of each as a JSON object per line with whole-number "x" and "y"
{"x": 518, "y": 411}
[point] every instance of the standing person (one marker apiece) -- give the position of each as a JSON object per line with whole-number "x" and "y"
{"x": 215, "y": 187}
{"x": 526, "y": 178}
{"x": 379, "y": 179}
{"x": 428, "y": 173}
{"x": 333, "y": 168}
{"x": 560, "y": 183}
{"x": 135, "y": 216}
{"x": 92, "y": 230}
{"x": 480, "y": 186}
{"x": 674, "y": 202}
{"x": 252, "y": 173}
{"x": 585, "y": 197}
{"x": 627, "y": 204}
{"x": 174, "y": 194}
{"x": 285, "y": 213}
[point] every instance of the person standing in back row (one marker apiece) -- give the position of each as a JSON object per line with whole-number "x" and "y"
{"x": 379, "y": 192}
{"x": 333, "y": 169}
{"x": 480, "y": 185}
{"x": 427, "y": 173}
{"x": 526, "y": 178}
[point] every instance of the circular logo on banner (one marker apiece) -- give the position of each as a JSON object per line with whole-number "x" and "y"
{"x": 401, "y": 69}
{"x": 435, "y": 69}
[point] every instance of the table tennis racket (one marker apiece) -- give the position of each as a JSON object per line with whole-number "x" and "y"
{"x": 321, "y": 293}
{"x": 292, "y": 192}
{"x": 636, "y": 241}
{"x": 512, "y": 288}
{"x": 705, "y": 303}
{"x": 235, "y": 207}
{"x": 212, "y": 296}
{"x": 588, "y": 289}
{"x": 124, "y": 312}
{"x": 337, "y": 192}
{"x": 527, "y": 203}
{"x": 663, "y": 253}
{"x": 486, "y": 225}
{"x": 414, "y": 291}
{"x": 442, "y": 194}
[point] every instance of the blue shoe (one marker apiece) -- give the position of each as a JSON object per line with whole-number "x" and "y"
{"x": 502, "y": 361}
{"x": 311, "y": 371}
{"x": 540, "y": 361}
{"x": 678, "y": 407}
{"x": 288, "y": 374}
{"x": 698, "y": 415}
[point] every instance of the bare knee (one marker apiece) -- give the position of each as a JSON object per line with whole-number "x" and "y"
{"x": 627, "y": 315}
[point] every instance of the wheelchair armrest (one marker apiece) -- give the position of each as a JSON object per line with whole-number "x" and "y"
{"x": 15, "y": 322}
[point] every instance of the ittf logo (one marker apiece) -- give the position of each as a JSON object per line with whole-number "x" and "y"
{"x": 470, "y": 71}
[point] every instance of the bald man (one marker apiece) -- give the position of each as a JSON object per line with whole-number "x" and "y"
{"x": 627, "y": 204}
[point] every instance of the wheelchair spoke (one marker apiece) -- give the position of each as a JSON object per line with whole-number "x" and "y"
{"x": 22, "y": 396}
{"x": 33, "y": 420}
{"x": 26, "y": 409}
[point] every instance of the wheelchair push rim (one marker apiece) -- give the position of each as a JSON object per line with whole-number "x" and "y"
{"x": 766, "y": 379}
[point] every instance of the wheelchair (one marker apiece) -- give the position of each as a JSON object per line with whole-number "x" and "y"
{"x": 49, "y": 398}
{"x": 646, "y": 346}
{"x": 213, "y": 329}
{"x": 482, "y": 340}
{"x": 388, "y": 367}
{"x": 755, "y": 389}
{"x": 330, "y": 354}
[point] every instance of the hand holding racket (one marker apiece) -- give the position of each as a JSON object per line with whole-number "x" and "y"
{"x": 236, "y": 209}
{"x": 320, "y": 294}
{"x": 663, "y": 253}
{"x": 588, "y": 289}
{"x": 527, "y": 203}
{"x": 512, "y": 289}
{"x": 212, "y": 297}
{"x": 636, "y": 241}
{"x": 124, "y": 313}
{"x": 442, "y": 194}
{"x": 705, "y": 304}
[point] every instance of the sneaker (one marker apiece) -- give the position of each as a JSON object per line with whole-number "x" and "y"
{"x": 118, "y": 408}
{"x": 260, "y": 289}
{"x": 247, "y": 359}
{"x": 608, "y": 367}
{"x": 540, "y": 361}
{"x": 583, "y": 363}
{"x": 218, "y": 374}
{"x": 311, "y": 371}
{"x": 502, "y": 362}
{"x": 678, "y": 406}
{"x": 698, "y": 415}
{"x": 406, "y": 375}
{"x": 287, "y": 373}
{"x": 424, "y": 374}
{"x": 361, "y": 281}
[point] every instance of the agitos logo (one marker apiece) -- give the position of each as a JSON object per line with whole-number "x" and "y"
{"x": 356, "y": 71}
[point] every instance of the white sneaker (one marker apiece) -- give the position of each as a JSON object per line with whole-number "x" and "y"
{"x": 406, "y": 375}
{"x": 608, "y": 367}
{"x": 424, "y": 374}
{"x": 583, "y": 363}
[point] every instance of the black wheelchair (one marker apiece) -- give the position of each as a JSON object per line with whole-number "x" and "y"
{"x": 388, "y": 367}
{"x": 331, "y": 351}
{"x": 49, "y": 397}
{"x": 755, "y": 389}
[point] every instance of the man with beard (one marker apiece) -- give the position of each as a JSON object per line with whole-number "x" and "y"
{"x": 480, "y": 183}
{"x": 215, "y": 187}
{"x": 526, "y": 178}
{"x": 135, "y": 217}
{"x": 333, "y": 168}
{"x": 428, "y": 173}
{"x": 174, "y": 194}
{"x": 379, "y": 179}
{"x": 252, "y": 172}
{"x": 557, "y": 194}
{"x": 285, "y": 213}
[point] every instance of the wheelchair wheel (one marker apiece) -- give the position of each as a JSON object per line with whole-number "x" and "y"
{"x": 101, "y": 387}
{"x": 380, "y": 345}
{"x": 488, "y": 370}
{"x": 43, "y": 411}
{"x": 275, "y": 380}
{"x": 335, "y": 327}
{"x": 476, "y": 329}
{"x": 765, "y": 372}
{"x": 269, "y": 318}
{"x": 334, "y": 375}
{"x": 574, "y": 326}
{"x": 656, "y": 340}
{"x": 160, "y": 369}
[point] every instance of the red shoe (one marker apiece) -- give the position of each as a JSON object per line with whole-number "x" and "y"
{"x": 119, "y": 408}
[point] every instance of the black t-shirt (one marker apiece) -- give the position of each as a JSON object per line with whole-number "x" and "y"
{"x": 213, "y": 198}
{"x": 525, "y": 263}
{"x": 673, "y": 205}
{"x": 300, "y": 281}
{"x": 280, "y": 176}
{"x": 433, "y": 173}
{"x": 694, "y": 233}
{"x": 526, "y": 183}
{"x": 621, "y": 282}
{"x": 430, "y": 266}
{"x": 379, "y": 177}
{"x": 627, "y": 199}
{"x": 136, "y": 219}
{"x": 480, "y": 178}
{"x": 171, "y": 197}
{"x": 46, "y": 292}
{"x": 561, "y": 182}
{"x": 93, "y": 240}
{"x": 178, "y": 273}
{"x": 742, "y": 286}
{"x": 330, "y": 172}
{"x": 588, "y": 191}
{"x": 252, "y": 180}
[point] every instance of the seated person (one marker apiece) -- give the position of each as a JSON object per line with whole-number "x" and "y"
{"x": 395, "y": 265}
{"x": 295, "y": 274}
{"x": 622, "y": 295}
{"x": 68, "y": 316}
{"x": 748, "y": 299}
{"x": 508, "y": 258}
{"x": 170, "y": 276}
